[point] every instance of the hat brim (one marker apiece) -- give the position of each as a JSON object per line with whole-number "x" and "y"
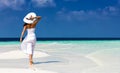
{"x": 27, "y": 17}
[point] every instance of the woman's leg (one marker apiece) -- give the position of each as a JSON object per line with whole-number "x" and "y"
{"x": 31, "y": 59}
{"x": 30, "y": 52}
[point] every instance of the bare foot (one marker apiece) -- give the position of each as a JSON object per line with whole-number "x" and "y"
{"x": 31, "y": 62}
{"x": 31, "y": 66}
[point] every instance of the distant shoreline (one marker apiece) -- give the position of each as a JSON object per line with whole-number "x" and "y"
{"x": 60, "y": 39}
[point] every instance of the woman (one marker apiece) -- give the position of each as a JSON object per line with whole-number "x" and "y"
{"x": 28, "y": 44}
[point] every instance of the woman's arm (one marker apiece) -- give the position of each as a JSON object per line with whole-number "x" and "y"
{"x": 37, "y": 19}
{"x": 23, "y": 31}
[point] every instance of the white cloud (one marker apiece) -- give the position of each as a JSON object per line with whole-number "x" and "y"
{"x": 18, "y": 4}
{"x": 110, "y": 11}
{"x": 13, "y": 4}
{"x": 76, "y": 15}
{"x": 44, "y": 3}
{"x": 81, "y": 15}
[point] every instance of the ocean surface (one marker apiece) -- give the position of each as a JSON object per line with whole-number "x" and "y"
{"x": 74, "y": 46}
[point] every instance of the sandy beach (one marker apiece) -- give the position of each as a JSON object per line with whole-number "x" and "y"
{"x": 62, "y": 58}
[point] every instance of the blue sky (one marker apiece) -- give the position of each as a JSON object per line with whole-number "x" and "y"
{"x": 63, "y": 18}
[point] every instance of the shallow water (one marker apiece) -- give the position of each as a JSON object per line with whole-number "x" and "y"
{"x": 81, "y": 47}
{"x": 95, "y": 56}
{"x": 75, "y": 47}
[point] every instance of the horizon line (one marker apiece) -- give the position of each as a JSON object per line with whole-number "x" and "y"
{"x": 60, "y": 39}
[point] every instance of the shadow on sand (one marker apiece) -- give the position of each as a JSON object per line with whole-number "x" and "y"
{"x": 46, "y": 62}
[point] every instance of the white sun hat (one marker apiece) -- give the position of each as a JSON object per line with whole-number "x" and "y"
{"x": 27, "y": 17}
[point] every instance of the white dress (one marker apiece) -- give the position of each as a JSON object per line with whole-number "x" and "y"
{"x": 28, "y": 44}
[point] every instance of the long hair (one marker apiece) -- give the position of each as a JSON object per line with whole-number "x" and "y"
{"x": 24, "y": 24}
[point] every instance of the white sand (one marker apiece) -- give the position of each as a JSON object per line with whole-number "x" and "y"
{"x": 62, "y": 61}
{"x": 17, "y": 54}
{"x": 16, "y": 70}
{"x": 103, "y": 69}
{"x": 108, "y": 61}
{"x": 106, "y": 57}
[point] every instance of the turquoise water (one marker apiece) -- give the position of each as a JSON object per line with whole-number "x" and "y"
{"x": 9, "y": 43}
{"x": 75, "y": 47}
{"x": 83, "y": 47}
{"x": 66, "y": 42}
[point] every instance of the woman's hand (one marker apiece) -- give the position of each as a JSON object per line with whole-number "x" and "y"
{"x": 20, "y": 39}
{"x": 38, "y": 17}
